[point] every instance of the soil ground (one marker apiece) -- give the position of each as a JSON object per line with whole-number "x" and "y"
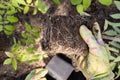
{"x": 60, "y": 32}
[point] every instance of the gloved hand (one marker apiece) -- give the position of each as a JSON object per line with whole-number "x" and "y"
{"x": 96, "y": 65}
{"x": 37, "y": 74}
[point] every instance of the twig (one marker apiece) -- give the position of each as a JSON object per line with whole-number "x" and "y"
{"x": 111, "y": 38}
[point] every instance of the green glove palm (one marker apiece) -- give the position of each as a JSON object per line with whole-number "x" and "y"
{"x": 96, "y": 64}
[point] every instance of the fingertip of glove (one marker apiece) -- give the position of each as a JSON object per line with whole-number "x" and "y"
{"x": 82, "y": 29}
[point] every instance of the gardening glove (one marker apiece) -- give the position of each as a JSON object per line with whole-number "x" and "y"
{"x": 96, "y": 65}
{"x": 37, "y": 74}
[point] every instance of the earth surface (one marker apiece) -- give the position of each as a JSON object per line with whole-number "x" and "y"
{"x": 60, "y": 34}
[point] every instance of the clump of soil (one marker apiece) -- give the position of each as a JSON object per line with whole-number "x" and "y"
{"x": 61, "y": 35}
{"x": 61, "y": 29}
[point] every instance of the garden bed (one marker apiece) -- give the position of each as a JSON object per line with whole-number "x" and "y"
{"x": 59, "y": 32}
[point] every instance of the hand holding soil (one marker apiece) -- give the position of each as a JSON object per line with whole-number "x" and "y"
{"x": 96, "y": 64}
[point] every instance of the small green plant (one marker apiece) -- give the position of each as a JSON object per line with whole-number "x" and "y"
{"x": 114, "y": 36}
{"x": 9, "y": 8}
{"x": 38, "y": 5}
{"x": 11, "y": 60}
{"x": 30, "y": 34}
{"x": 7, "y": 18}
{"x": 83, "y": 5}
{"x": 25, "y": 49}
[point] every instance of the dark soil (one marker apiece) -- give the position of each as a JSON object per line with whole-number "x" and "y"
{"x": 60, "y": 31}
